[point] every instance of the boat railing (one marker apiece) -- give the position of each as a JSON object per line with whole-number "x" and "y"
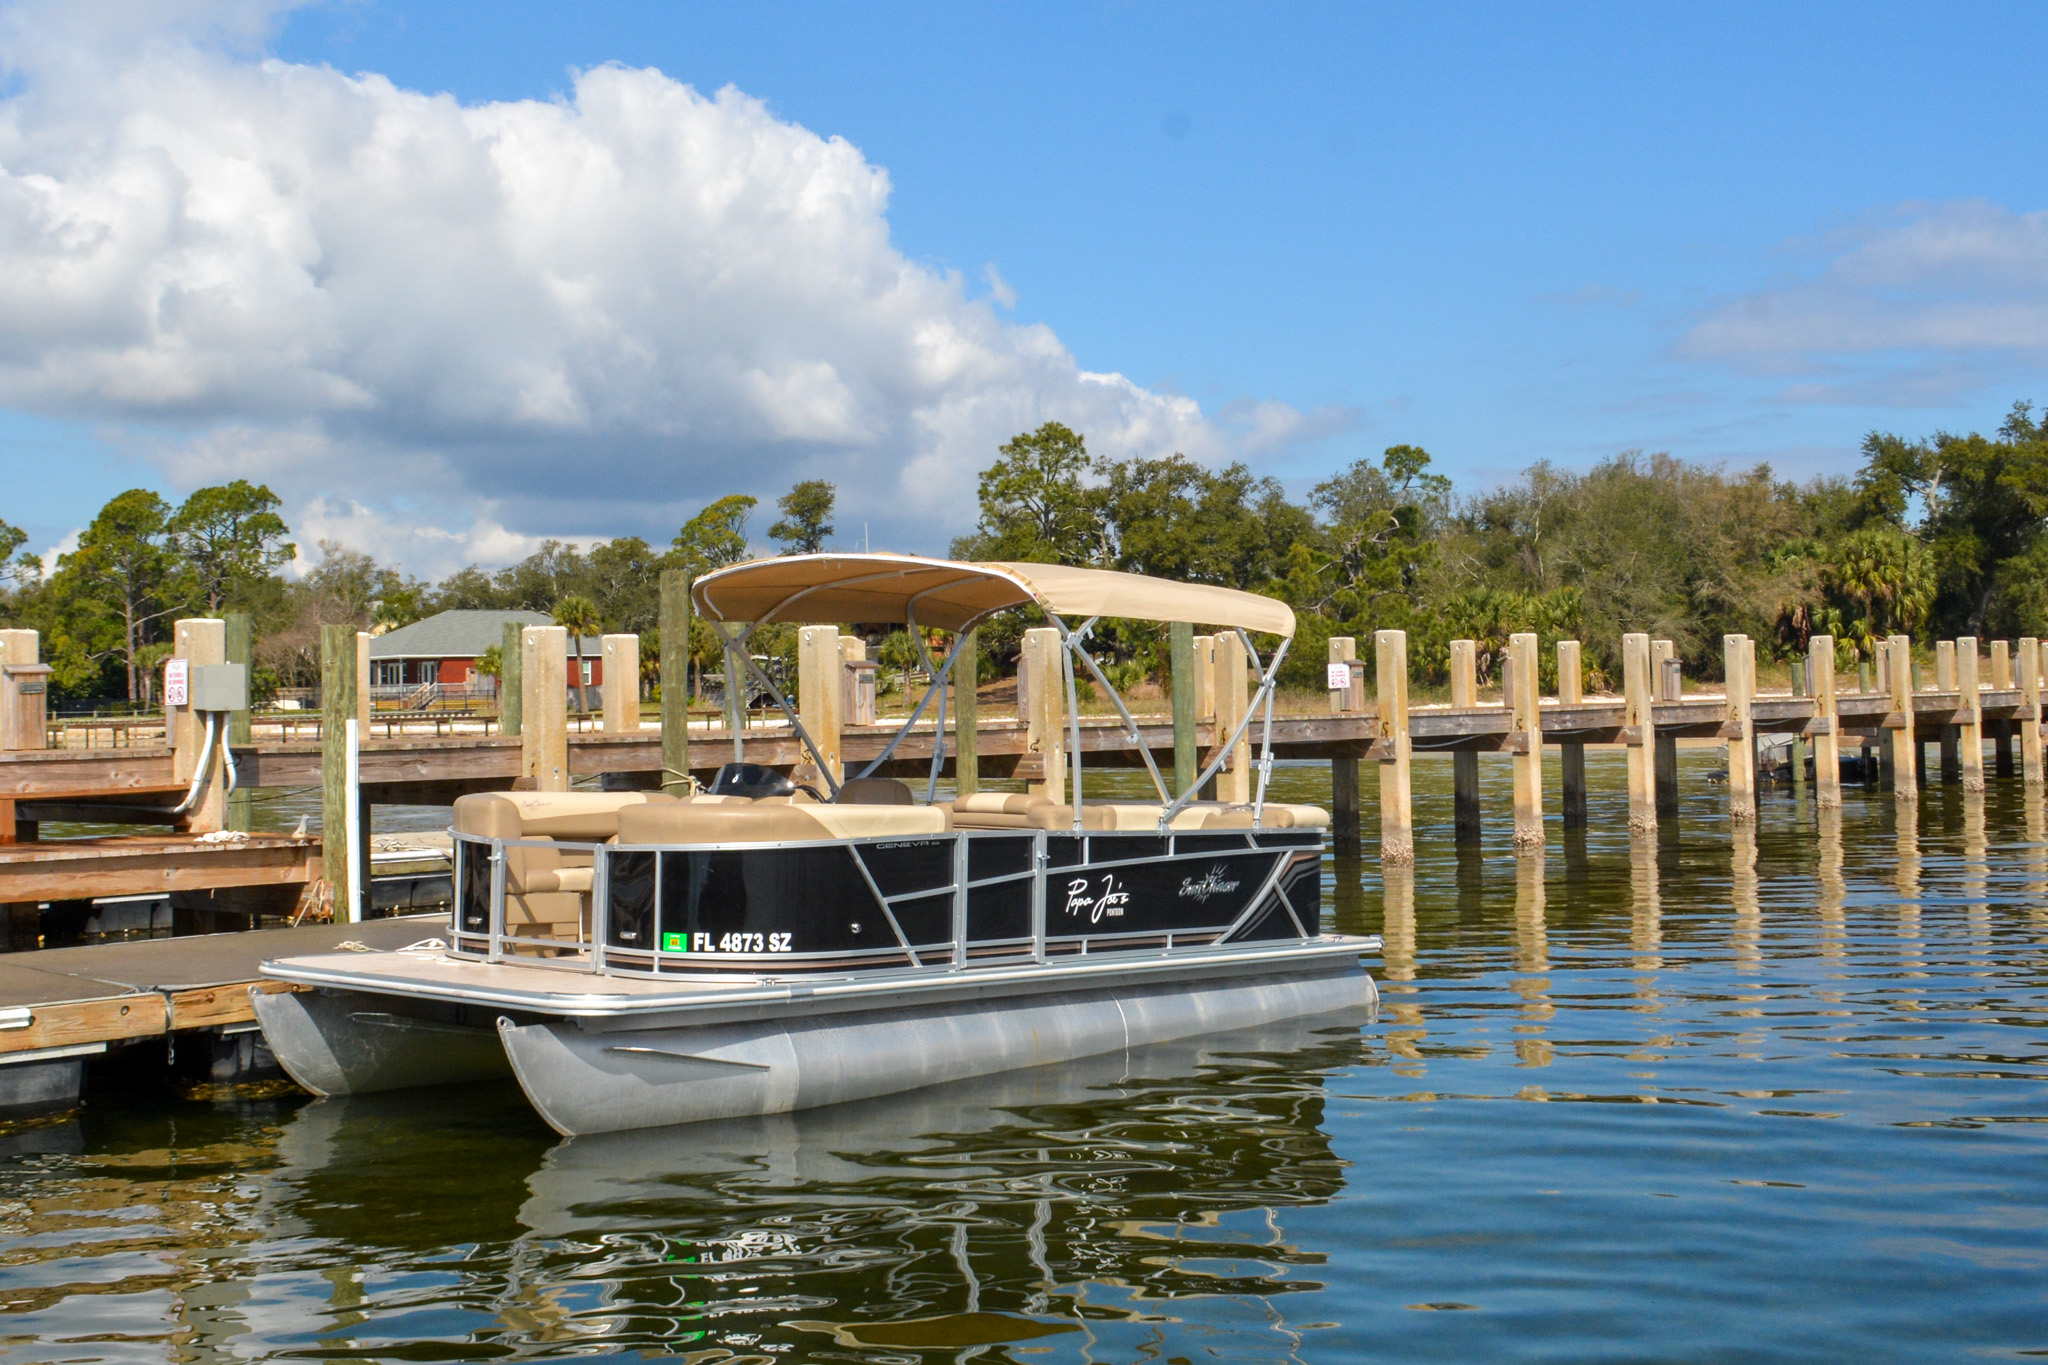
{"x": 1051, "y": 866}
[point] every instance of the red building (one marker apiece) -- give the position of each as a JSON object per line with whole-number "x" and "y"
{"x": 444, "y": 649}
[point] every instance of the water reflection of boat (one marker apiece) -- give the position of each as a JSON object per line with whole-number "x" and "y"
{"x": 642, "y": 960}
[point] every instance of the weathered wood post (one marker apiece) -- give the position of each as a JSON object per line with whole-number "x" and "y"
{"x": 1669, "y": 686}
{"x": 1970, "y": 721}
{"x": 820, "y": 693}
{"x": 1639, "y": 731}
{"x": 1045, "y": 719}
{"x": 337, "y": 708}
{"x": 1898, "y": 661}
{"x": 2028, "y": 663}
{"x": 619, "y": 692}
{"x": 1180, "y": 637}
{"x": 2001, "y": 681}
{"x": 1882, "y": 672}
{"x": 1827, "y": 750}
{"x": 1797, "y": 748}
{"x": 544, "y": 707}
{"x": 1465, "y": 763}
{"x": 1571, "y": 690}
{"x": 199, "y": 641}
{"x": 511, "y": 688}
{"x": 1946, "y": 680}
{"x": 1345, "y": 836}
{"x": 675, "y": 682}
{"x": 1205, "y": 677}
{"x": 1526, "y": 736}
{"x": 967, "y": 715}
{"x": 1738, "y": 727}
{"x": 1390, "y": 678}
{"x": 1233, "y": 695}
{"x": 241, "y": 649}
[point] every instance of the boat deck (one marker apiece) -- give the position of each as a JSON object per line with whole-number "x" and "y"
{"x": 574, "y": 992}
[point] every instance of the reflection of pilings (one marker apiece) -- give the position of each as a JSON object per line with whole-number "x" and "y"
{"x": 1746, "y": 934}
{"x": 1646, "y": 918}
{"x": 1976, "y": 868}
{"x": 2037, "y": 863}
{"x": 1834, "y": 890}
{"x": 1398, "y": 994}
{"x": 1531, "y": 955}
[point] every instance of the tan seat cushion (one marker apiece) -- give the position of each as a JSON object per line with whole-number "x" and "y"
{"x": 760, "y": 822}
{"x": 874, "y": 791}
{"x": 579, "y": 817}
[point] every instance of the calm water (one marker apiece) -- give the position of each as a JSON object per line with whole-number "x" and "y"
{"x": 1781, "y": 1100}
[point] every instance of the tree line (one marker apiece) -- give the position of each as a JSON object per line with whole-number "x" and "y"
{"x": 1941, "y": 536}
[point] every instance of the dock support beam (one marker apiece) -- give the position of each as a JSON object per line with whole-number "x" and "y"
{"x": 1827, "y": 740}
{"x": 1045, "y": 720}
{"x": 1638, "y": 719}
{"x": 2028, "y": 662}
{"x": 1465, "y": 764}
{"x": 675, "y": 682}
{"x": 1390, "y": 677}
{"x": 511, "y": 685}
{"x": 1527, "y": 737}
{"x": 1345, "y": 836}
{"x": 1898, "y": 663}
{"x": 337, "y": 708}
{"x": 1739, "y": 727}
{"x": 1571, "y": 690}
{"x": 820, "y": 691}
{"x": 967, "y": 716}
{"x": 1970, "y": 722}
{"x": 620, "y": 691}
{"x": 544, "y": 706}
{"x": 1233, "y": 695}
{"x": 1181, "y": 679}
{"x": 241, "y": 649}
{"x": 1669, "y": 686}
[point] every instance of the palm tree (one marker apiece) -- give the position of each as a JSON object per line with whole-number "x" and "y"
{"x": 578, "y": 615}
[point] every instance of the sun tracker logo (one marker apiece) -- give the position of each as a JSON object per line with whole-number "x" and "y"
{"x": 1212, "y": 884}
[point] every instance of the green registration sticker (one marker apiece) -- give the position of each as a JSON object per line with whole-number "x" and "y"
{"x": 671, "y": 943}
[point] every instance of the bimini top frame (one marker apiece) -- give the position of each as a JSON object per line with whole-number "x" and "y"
{"x": 916, "y": 592}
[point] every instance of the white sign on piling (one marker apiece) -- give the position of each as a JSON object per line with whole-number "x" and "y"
{"x": 177, "y": 682}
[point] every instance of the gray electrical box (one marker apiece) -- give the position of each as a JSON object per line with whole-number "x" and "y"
{"x": 220, "y": 687}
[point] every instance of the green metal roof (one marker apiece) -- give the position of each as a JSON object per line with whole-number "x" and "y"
{"x": 463, "y": 635}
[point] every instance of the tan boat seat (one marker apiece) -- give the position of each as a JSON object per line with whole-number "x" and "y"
{"x": 874, "y": 791}
{"x": 547, "y": 890}
{"x": 764, "y": 822}
{"x": 1014, "y": 810}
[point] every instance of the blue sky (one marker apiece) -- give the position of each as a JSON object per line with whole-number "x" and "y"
{"x": 1505, "y": 233}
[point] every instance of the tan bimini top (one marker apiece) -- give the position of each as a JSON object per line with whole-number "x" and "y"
{"x": 949, "y": 595}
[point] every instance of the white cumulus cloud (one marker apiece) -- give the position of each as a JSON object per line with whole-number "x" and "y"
{"x": 581, "y": 316}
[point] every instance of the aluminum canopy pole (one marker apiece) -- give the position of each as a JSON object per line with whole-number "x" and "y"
{"x": 1074, "y": 642}
{"x": 795, "y": 724}
{"x": 1223, "y": 751}
{"x": 1269, "y": 680}
{"x": 1073, "y": 709}
{"x": 883, "y": 757}
{"x": 941, "y": 684}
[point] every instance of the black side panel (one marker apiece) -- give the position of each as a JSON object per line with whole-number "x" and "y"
{"x": 1000, "y": 911}
{"x": 997, "y": 855}
{"x": 1062, "y": 850}
{"x": 1208, "y": 893}
{"x": 814, "y": 896}
{"x": 1111, "y": 848}
{"x": 630, "y": 907}
{"x": 927, "y": 921}
{"x": 473, "y": 876}
{"x": 910, "y": 864}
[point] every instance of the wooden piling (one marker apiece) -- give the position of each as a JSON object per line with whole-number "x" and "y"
{"x": 199, "y": 641}
{"x": 2002, "y": 731}
{"x": 1233, "y": 695}
{"x": 1045, "y": 719}
{"x": 1970, "y": 720}
{"x": 2028, "y": 663}
{"x": 619, "y": 692}
{"x": 241, "y": 649}
{"x": 511, "y": 690}
{"x": 1572, "y": 757}
{"x": 1739, "y": 726}
{"x": 1465, "y": 764}
{"x": 337, "y": 708}
{"x": 967, "y": 715}
{"x": 1526, "y": 736}
{"x": 1390, "y": 678}
{"x": 821, "y": 693}
{"x": 1669, "y": 686}
{"x": 544, "y": 707}
{"x": 1797, "y": 748}
{"x": 363, "y": 693}
{"x": 1950, "y": 737}
{"x": 1827, "y": 751}
{"x": 675, "y": 682}
{"x": 1639, "y": 731}
{"x": 1898, "y": 668}
{"x": 1205, "y": 677}
{"x": 1342, "y": 650}
{"x": 1181, "y": 666}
